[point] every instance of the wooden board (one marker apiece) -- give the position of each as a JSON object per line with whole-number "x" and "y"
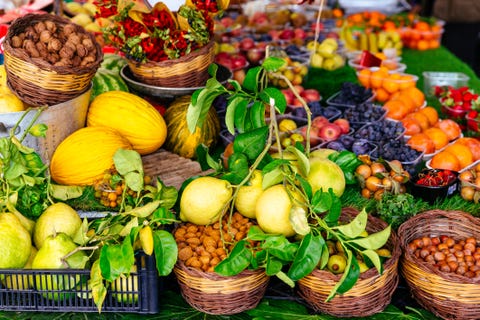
{"x": 172, "y": 169}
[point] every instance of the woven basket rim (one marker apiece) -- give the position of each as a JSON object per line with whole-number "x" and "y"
{"x": 194, "y": 272}
{"x": 431, "y": 216}
{"x": 32, "y": 18}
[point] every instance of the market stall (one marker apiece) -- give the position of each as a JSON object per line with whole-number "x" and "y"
{"x": 295, "y": 162}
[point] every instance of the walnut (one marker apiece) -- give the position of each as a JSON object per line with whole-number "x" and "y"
{"x": 33, "y": 52}
{"x": 71, "y": 45}
{"x": 45, "y": 36}
{"x": 53, "y": 58}
{"x": 62, "y": 36}
{"x": 87, "y": 61}
{"x": 31, "y": 34}
{"x": 41, "y": 46}
{"x": 51, "y": 26}
{"x": 39, "y": 27}
{"x": 66, "y": 52}
{"x": 69, "y": 29}
{"x": 75, "y": 38}
{"x": 16, "y": 42}
{"x": 88, "y": 43}
{"x": 63, "y": 63}
{"x": 27, "y": 43}
{"x": 54, "y": 45}
{"x": 43, "y": 53}
{"x": 76, "y": 61}
{"x": 81, "y": 51}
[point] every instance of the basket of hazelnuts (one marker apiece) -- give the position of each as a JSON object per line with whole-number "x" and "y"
{"x": 49, "y": 60}
{"x": 441, "y": 262}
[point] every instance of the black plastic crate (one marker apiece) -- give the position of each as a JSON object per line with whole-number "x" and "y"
{"x": 34, "y": 290}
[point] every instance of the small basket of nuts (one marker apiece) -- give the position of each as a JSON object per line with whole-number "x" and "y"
{"x": 441, "y": 262}
{"x": 200, "y": 249}
{"x": 49, "y": 60}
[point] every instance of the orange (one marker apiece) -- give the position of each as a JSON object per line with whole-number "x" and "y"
{"x": 377, "y": 77}
{"x": 411, "y": 125}
{"x": 431, "y": 113}
{"x": 395, "y": 109}
{"x": 445, "y": 160}
{"x": 406, "y": 81}
{"x": 422, "y": 120}
{"x": 462, "y": 152}
{"x": 422, "y": 26}
{"x": 421, "y": 142}
{"x": 389, "y": 25}
{"x": 381, "y": 95}
{"x": 439, "y": 138}
{"x": 473, "y": 144}
{"x": 364, "y": 77}
{"x": 416, "y": 94}
{"x": 434, "y": 44}
{"x": 391, "y": 83}
{"x": 423, "y": 45}
{"x": 450, "y": 127}
{"x": 407, "y": 101}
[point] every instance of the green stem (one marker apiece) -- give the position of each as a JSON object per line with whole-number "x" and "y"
{"x": 35, "y": 117}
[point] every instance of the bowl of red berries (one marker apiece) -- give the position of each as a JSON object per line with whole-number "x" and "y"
{"x": 457, "y": 102}
{"x": 434, "y": 184}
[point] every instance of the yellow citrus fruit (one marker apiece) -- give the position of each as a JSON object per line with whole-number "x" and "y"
{"x": 204, "y": 200}
{"x": 248, "y": 195}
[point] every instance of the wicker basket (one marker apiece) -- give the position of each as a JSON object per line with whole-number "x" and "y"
{"x": 35, "y": 80}
{"x": 447, "y": 295}
{"x": 211, "y": 293}
{"x": 372, "y": 292}
{"x": 189, "y": 71}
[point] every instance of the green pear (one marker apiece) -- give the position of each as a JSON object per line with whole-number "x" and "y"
{"x": 16, "y": 242}
{"x": 58, "y": 217}
{"x": 53, "y": 255}
{"x": 21, "y": 281}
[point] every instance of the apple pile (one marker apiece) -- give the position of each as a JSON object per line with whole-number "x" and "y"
{"x": 253, "y": 50}
{"x": 309, "y": 95}
{"x": 232, "y": 61}
{"x": 325, "y": 130}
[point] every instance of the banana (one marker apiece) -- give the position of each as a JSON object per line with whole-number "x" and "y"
{"x": 389, "y": 44}
{"x": 372, "y": 42}
{"x": 350, "y": 41}
{"x": 382, "y": 39}
{"x": 363, "y": 41}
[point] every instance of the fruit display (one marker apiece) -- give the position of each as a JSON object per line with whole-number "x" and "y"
{"x": 402, "y": 103}
{"x": 455, "y": 156}
{"x": 310, "y": 95}
{"x": 324, "y": 130}
{"x": 380, "y": 131}
{"x": 364, "y": 113}
{"x": 325, "y": 54}
{"x": 448, "y": 255}
{"x": 470, "y": 183}
{"x": 293, "y": 70}
{"x": 372, "y": 41}
{"x": 458, "y": 102}
{"x": 433, "y": 184}
{"x": 422, "y": 35}
{"x": 400, "y": 151}
{"x": 348, "y": 142}
{"x": 378, "y": 177}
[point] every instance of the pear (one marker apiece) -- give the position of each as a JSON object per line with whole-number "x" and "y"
{"x": 16, "y": 242}
{"x": 58, "y": 217}
{"x": 21, "y": 281}
{"x": 52, "y": 256}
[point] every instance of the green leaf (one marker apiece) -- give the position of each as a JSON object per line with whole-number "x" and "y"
{"x": 298, "y": 220}
{"x": 129, "y": 164}
{"x": 257, "y": 114}
{"x": 321, "y": 201}
{"x": 240, "y": 117}
{"x": 335, "y": 209}
{"x": 166, "y": 251}
{"x": 38, "y": 130}
{"x": 252, "y": 79}
{"x": 202, "y": 100}
{"x": 99, "y": 291}
{"x": 231, "y": 113}
{"x": 273, "y": 266}
{"x": 273, "y": 63}
{"x": 251, "y": 143}
{"x": 116, "y": 259}
{"x": 355, "y": 227}
{"x": 307, "y": 188}
{"x": 272, "y": 178}
{"x": 280, "y": 247}
{"x": 307, "y": 257}
{"x": 324, "y": 258}
{"x": 374, "y": 258}
{"x": 373, "y": 241}
{"x": 271, "y": 93}
{"x": 238, "y": 168}
{"x": 64, "y": 193}
{"x": 237, "y": 261}
{"x": 302, "y": 161}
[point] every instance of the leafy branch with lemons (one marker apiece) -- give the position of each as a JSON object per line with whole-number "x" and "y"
{"x": 297, "y": 214}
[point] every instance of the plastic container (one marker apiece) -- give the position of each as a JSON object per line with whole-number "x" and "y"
{"x": 141, "y": 295}
{"x": 473, "y": 126}
{"x": 391, "y": 65}
{"x": 422, "y": 40}
{"x": 431, "y": 79}
{"x": 432, "y": 193}
{"x": 405, "y": 80}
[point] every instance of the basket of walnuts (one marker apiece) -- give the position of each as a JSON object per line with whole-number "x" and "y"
{"x": 49, "y": 60}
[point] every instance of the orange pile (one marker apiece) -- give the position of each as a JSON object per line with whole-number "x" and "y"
{"x": 422, "y": 36}
{"x": 436, "y": 136}
{"x": 458, "y": 155}
{"x": 404, "y": 102}
{"x": 384, "y": 83}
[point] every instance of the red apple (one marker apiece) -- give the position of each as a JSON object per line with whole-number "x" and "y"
{"x": 246, "y": 44}
{"x": 288, "y": 96}
{"x": 343, "y": 124}
{"x": 310, "y": 95}
{"x": 287, "y": 34}
{"x": 227, "y": 22}
{"x": 314, "y": 26}
{"x": 238, "y": 61}
{"x": 300, "y": 33}
{"x": 319, "y": 122}
{"x": 274, "y": 34}
{"x": 330, "y": 132}
{"x": 314, "y": 139}
{"x": 254, "y": 55}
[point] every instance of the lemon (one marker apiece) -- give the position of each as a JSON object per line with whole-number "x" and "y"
{"x": 24, "y": 281}
{"x": 248, "y": 195}
{"x": 9, "y": 102}
{"x": 204, "y": 200}
{"x": 325, "y": 174}
{"x": 58, "y": 217}
{"x": 286, "y": 125}
{"x": 273, "y": 211}
{"x": 16, "y": 242}
{"x": 126, "y": 287}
